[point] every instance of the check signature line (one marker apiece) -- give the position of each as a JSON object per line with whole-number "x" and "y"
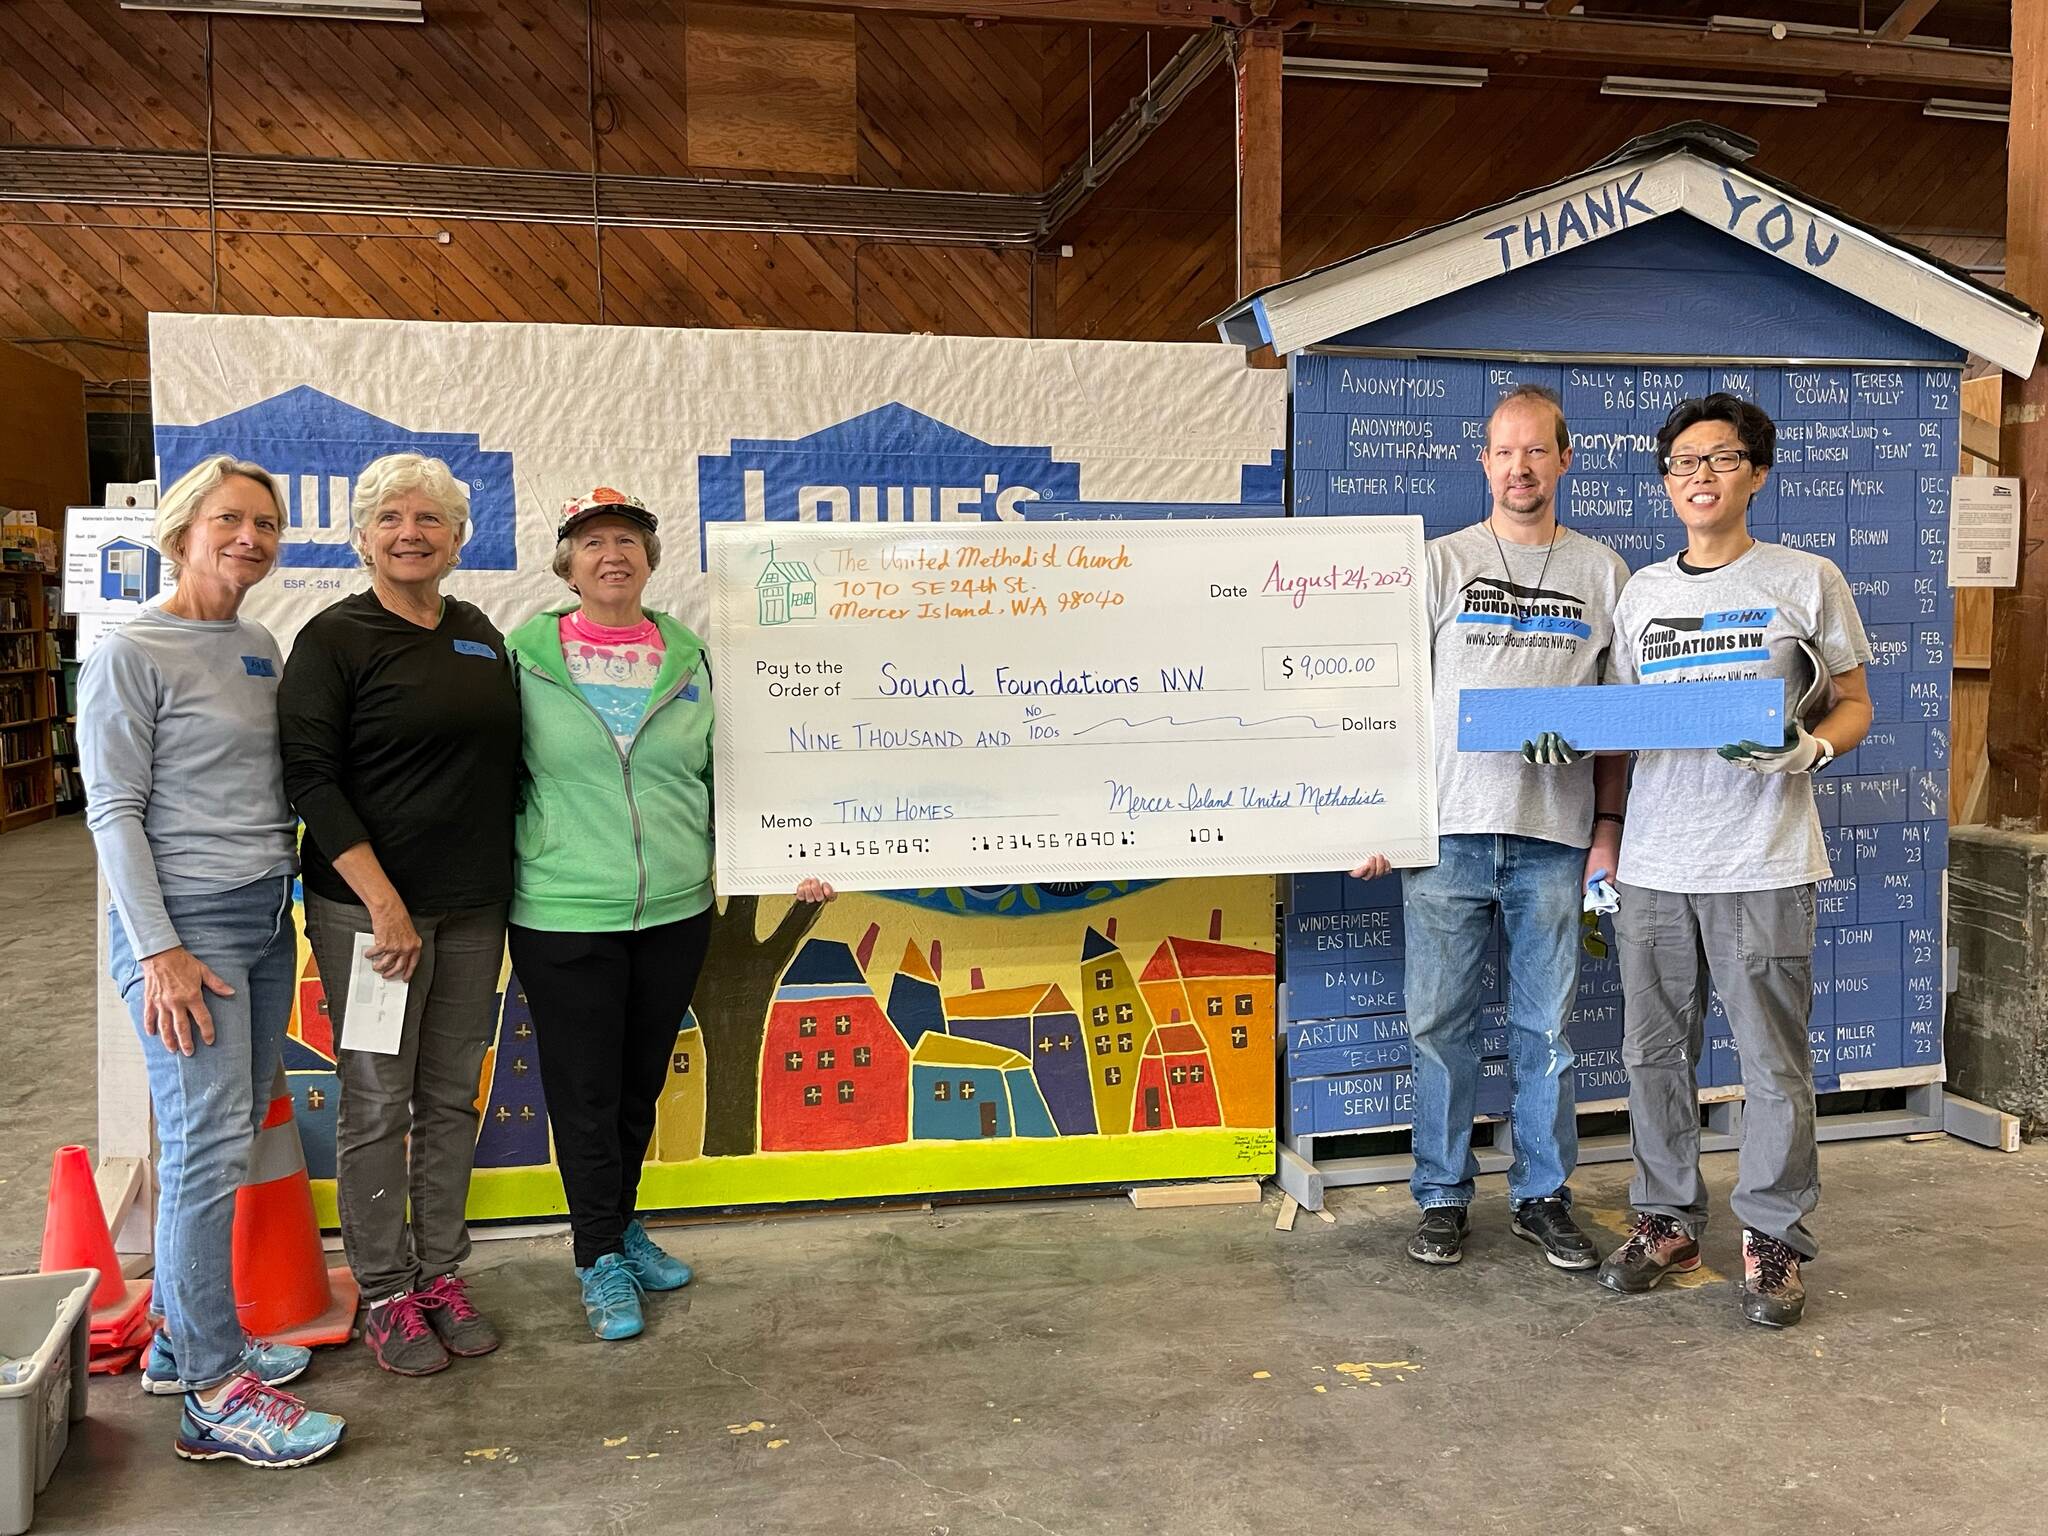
{"x": 1243, "y": 724}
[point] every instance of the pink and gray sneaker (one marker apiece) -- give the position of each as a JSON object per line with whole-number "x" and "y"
{"x": 400, "y": 1337}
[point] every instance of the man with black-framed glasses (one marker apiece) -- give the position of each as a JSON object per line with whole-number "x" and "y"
{"x": 1721, "y": 856}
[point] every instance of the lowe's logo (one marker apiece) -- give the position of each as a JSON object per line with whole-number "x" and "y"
{"x": 316, "y": 445}
{"x": 894, "y": 464}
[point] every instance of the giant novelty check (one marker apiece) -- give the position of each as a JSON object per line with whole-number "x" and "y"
{"x": 974, "y": 703}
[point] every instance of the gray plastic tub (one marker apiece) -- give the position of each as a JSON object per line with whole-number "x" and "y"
{"x": 46, "y": 1321}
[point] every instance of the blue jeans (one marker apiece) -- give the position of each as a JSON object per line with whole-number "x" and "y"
{"x": 209, "y": 1105}
{"x": 1535, "y": 886}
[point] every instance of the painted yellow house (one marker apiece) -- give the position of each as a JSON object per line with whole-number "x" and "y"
{"x": 1116, "y": 1022}
{"x": 679, "y": 1112}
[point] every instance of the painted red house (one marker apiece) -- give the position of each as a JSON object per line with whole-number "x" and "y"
{"x": 834, "y": 1071}
{"x": 1176, "y": 1081}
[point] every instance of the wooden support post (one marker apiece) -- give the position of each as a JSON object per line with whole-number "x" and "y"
{"x": 1258, "y": 159}
{"x": 2018, "y": 729}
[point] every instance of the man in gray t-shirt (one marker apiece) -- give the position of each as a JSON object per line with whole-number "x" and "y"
{"x": 1516, "y": 602}
{"x": 1719, "y": 864}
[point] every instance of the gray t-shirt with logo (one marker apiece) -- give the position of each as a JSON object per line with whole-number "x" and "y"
{"x": 1696, "y": 822}
{"x": 1507, "y": 615}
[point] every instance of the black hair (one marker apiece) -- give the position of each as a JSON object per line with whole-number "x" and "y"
{"x": 1532, "y": 392}
{"x": 1758, "y": 432}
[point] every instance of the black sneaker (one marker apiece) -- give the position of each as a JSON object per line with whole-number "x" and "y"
{"x": 1441, "y": 1237}
{"x": 1548, "y": 1224}
{"x": 1772, "y": 1292}
{"x": 1657, "y": 1247}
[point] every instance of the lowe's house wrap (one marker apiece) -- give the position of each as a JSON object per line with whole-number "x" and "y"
{"x": 945, "y": 1036}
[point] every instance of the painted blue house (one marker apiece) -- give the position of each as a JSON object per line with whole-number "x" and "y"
{"x": 130, "y": 571}
{"x": 964, "y": 1090}
{"x": 1673, "y": 269}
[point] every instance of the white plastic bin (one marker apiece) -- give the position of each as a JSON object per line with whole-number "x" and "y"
{"x": 45, "y": 1320}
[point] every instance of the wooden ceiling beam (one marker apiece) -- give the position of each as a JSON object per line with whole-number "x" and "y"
{"x": 1681, "y": 45}
{"x": 1596, "y": 40}
{"x": 1901, "y": 22}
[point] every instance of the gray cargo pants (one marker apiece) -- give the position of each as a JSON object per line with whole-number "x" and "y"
{"x": 1756, "y": 949}
{"x": 405, "y": 1134}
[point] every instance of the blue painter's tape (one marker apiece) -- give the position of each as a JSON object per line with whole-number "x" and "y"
{"x": 1624, "y": 717}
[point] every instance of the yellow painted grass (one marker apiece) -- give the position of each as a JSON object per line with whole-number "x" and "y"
{"x": 911, "y": 1168}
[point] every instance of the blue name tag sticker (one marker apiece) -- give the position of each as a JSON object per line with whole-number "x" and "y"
{"x": 259, "y": 666}
{"x": 475, "y": 648}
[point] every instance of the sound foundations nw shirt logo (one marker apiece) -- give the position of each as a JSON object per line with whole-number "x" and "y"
{"x": 1731, "y": 638}
{"x": 1505, "y": 613}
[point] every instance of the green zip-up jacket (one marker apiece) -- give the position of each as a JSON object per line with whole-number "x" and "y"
{"x": 609, "y": 840}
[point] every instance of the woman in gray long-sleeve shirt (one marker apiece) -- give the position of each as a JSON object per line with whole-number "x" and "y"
{"x": 177, "y": 731}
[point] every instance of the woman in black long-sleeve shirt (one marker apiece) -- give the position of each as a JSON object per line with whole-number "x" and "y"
{"x": 399, "y": 726}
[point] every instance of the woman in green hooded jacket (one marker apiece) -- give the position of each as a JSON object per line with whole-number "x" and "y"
{"x": 611, "y": 909}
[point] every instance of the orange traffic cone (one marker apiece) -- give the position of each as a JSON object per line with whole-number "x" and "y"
{"x": 284, "y": 1290}
{"x": 75, "y": 1236}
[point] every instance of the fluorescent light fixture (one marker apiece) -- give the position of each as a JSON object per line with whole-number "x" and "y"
{"x": 1968, "y": 111}
{"x": 1377, "y": 72}
{"x": 1712, "y": 91}
{"x": 300, "y": 10}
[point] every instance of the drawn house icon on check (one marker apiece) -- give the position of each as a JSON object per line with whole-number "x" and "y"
{"x": 786, "y": 590}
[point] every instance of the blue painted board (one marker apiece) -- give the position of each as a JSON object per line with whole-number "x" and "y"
{"x": 1624, "y": 718}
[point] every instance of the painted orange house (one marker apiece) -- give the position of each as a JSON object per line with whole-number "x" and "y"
{"x": 1227, "y": 992}
{"x": 1176, "y": 1082}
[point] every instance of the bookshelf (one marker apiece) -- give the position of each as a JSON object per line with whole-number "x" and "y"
{"x": 33, "y": 728}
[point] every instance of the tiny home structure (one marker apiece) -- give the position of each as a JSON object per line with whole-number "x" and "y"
{"x": 1674, "y": 269}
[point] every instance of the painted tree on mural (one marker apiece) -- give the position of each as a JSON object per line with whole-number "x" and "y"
{"x": 732, "y": 1008}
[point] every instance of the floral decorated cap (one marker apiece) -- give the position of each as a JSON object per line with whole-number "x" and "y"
{"x": 601, "y": 502}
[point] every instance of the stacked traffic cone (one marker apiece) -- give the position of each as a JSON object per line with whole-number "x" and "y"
{"x": 284, "y": 1290}
{"x": 75, "y": 1236}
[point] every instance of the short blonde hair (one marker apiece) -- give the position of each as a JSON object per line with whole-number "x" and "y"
{"x": 649, "y": 540}
{"x": 394, "y": 475}
{"x": 181, "y": 503}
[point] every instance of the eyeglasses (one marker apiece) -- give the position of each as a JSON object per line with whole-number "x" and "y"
{"x": 1723, "y": 462}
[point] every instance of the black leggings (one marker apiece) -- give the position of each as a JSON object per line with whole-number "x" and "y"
{"x": 606, "y": 1009}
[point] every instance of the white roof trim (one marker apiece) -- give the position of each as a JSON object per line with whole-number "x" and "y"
{"x": 1607, "y": 200}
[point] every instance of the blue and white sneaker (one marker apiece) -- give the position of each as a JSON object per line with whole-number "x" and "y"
{"x": 258, "y": 1426}
{"x": 271, "y": 1364}
{"x": 611, "y": 1297}
{"x": 653, "y": 1266}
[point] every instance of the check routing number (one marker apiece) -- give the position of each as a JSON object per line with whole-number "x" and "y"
{"x": 909, "y": 705}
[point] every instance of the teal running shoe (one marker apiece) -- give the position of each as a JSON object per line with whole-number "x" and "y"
{"x": 258, "y": 1426}
{"x": 653, "y": 1266}
{"x": 271, "y": 1364}
{"x": 611, "y": 1298}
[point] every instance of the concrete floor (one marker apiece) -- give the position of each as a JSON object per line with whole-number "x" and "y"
{"x": 1085, "y": 1367}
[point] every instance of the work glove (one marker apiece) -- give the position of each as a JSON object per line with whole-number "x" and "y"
{"x": 1601, "y": 896}
{"x": 1796, "y": 754}
{"x": 1551, "y": 750}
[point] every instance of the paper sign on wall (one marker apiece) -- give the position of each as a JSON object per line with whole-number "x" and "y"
{"x": 1983, "y": 532}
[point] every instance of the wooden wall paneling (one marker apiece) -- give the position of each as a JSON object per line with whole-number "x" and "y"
{"x": 944, "y": 103}
{"x": 770, "y": 90}
{"x": 103, "y": 76}
{"x": 643, "y": 78}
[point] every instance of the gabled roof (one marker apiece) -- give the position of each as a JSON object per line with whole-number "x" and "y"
{"x": 1693, "y": 168}
{"x": 958, "y": 1051}
{"x": 1178, "y": 958}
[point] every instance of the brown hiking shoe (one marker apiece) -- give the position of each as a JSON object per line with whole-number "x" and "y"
{"x": 1772, "y": 1292}
{"x": 1657, "y": 1247}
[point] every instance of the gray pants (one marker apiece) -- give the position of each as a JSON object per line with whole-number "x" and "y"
{"x": 425, "y": 1094}
{"x": 1756, "y": 948}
